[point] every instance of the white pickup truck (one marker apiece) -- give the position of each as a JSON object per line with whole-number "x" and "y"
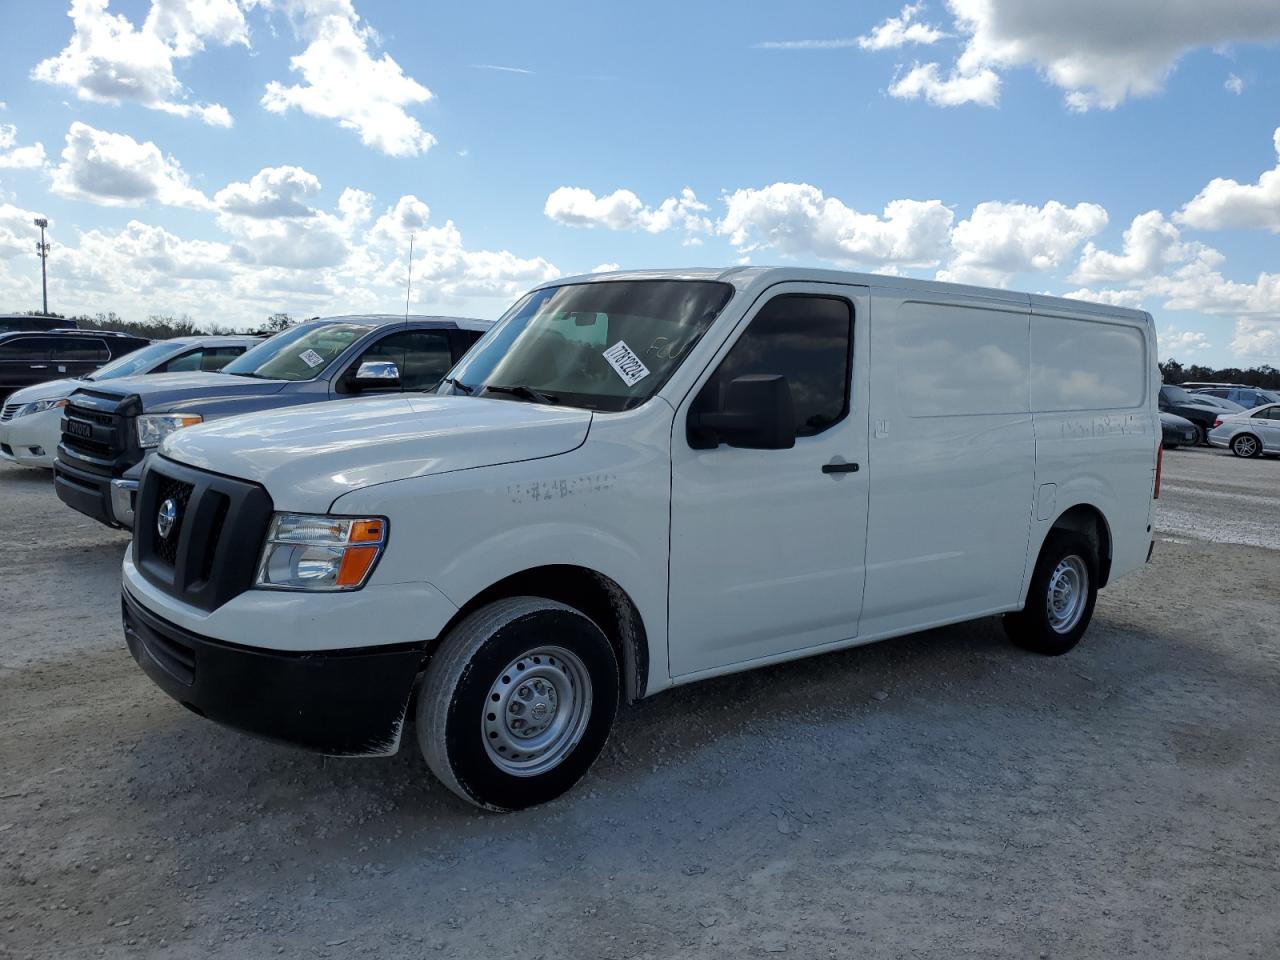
{"x": 638, "y": 480}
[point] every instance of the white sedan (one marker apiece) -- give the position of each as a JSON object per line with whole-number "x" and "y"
{"x": 31, "y": 420}
{"x": 1250, "y": 433}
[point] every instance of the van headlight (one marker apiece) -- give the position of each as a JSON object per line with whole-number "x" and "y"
{"x": 310, "y": 552}
{"x": 154, "y": 427}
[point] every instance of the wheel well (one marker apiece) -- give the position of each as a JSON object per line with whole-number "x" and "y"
{"x": 597, "y": 596}
{"x": 1088, "y": 521}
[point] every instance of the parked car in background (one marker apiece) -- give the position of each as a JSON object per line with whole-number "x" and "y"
{"x": 1200, "y": 411}
{"x": 30, "y": 358}
{"x": 1176, "y": 431}
{"x": 109, "y": 428}
{"x": 635, "y": 481}
{"x": 1225, "y": 406}
{"x": 31, "y": 419}
{"x": 1249, "y": 434}
{"x": 1249, "y": 398}
{"x": 18, "y": 322}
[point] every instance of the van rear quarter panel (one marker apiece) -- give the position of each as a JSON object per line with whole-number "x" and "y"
{"x": 1093, "y": 400}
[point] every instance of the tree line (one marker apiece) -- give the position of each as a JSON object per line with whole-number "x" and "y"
{"x": 166, "y": 327}
{"x": 1265, "y": 376}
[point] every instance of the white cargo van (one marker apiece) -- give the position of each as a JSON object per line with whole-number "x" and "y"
{"x": 638, "y": 480}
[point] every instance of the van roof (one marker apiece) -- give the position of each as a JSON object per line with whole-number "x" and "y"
{"x": 745, "y": 278}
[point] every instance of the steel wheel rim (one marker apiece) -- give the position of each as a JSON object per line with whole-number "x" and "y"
{"x": 1246, "y": 446}
{"x": 536, "y": 711}
{"x": 1067, "y": 595}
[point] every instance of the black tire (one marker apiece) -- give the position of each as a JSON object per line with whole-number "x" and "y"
{"x": 454, "y": 716}
{"x": 1032, "y": 627}
{"x": 1246, "y": 445}
{"x": 1202, "y": 436}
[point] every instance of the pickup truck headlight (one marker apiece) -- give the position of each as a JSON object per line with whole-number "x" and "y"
{"x": 39, "y": 406}
{"x": 311, "y": 552}
{"x": 154, "y": 427}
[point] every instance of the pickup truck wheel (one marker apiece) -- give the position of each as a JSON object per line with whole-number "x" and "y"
{"x": 517, "y": 703}
{"x": 1061, "y": 597}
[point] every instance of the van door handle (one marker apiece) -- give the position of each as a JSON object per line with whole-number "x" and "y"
{"x": 838, "y": 466}
{"x": 39, "y": 366}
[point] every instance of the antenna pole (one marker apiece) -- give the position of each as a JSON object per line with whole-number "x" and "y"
{"x": 408, "y": 283}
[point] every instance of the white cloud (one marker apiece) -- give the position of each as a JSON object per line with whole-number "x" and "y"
{"x": 113, "y": 169}
{"x": 623, "y": 210}
{"x": 272, "y": 193}
{"x": 18, "y": 234}
{"x": 605, "y": 268}
{"x": 1256, "y": 342}
{"x": 108, "y": 60}
{"x": 1234, "y": 84}
{"x": 334, "y": 261}
{"x": 797, "y": 220}
{"x": 1000, "y": 240}
{"x": 901, "y": 30}
{"x": 1132, "y": 299}
{"x": 926, "y": 81}
{"x": 840, "y": 43}
{"x": 1225, "y": 204}
{"x": 1151, "y": 245}
{"x": 19, "y": 158}
{"x": 1098, "y": 52}
{"x": 343, "y": 81}
{"x": 500, "y": 68}
{"x": 1174, "y": 342}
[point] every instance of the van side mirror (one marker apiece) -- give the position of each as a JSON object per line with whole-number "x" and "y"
{"x": 757, "y": 414}
{"x": 376, "y": 375}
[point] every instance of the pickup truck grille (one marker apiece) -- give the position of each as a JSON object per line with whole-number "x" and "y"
{"x": 213, "y": 527}
{"x": 96, "y": 440}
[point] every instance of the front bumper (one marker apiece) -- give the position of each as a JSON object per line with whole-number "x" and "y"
{"x": 90, "y": 493}
{"x": 31, "y": 441}
{"x": 337, "y": 702}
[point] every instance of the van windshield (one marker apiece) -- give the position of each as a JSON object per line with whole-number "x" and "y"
{"x": 299, "y": 353}
{"x": 607, "y": 345}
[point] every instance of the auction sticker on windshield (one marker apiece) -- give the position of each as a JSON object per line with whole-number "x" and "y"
{"x": 626, "y": 364}
{"x": 311, "y": 358}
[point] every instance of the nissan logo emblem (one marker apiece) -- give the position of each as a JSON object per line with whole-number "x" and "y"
{"x": 166, "y": 517}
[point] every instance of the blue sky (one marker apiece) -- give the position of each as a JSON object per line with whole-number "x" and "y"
{"x": 230, "y": 159}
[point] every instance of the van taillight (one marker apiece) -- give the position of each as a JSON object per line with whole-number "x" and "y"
{"x": 1159, "y": 466}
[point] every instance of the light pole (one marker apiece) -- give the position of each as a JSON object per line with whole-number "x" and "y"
{"x": 42, "y": 251}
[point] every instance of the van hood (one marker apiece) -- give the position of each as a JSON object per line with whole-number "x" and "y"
{"x": 162, "y": 391}
{"x": 309, "y": 456}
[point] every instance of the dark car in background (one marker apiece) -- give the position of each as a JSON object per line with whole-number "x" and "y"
{"x": 28, "y": 358}
{"x": 1176, "y": 431}
{"x": 1249, "y": 398}
{"x": 1201, "y": 412}
{"x": 19, "y": 322}
{"x": 108, "y": 429}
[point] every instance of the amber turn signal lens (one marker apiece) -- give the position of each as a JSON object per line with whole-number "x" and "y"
{"x": 366, "y": 531}
{"x": 356, "y": 562}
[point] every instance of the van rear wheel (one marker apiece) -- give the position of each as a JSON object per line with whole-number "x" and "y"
{"x": 517, "y": 703}
{"x": 1064, "y": 588}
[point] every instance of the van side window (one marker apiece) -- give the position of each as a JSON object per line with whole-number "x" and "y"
{"x": 80, "y": 348}
{"x": 808, "y": 340}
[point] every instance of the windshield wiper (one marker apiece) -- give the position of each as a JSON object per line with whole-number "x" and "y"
{"x": 525, "y": 393}
{"x": 465, "y": 388}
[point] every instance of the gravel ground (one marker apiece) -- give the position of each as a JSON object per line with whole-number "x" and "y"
{"x": 941, "y": 795}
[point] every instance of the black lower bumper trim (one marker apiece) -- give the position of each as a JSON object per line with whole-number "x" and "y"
{"x": 87, "y": 492}
{"x": 338, "y": 702}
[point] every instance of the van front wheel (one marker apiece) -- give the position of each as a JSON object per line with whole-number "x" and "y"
{"x": 517, "y": 703}
{"x": 1060, "y": 600}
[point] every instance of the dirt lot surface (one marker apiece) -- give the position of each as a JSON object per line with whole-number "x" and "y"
{"x": 942, "y": 795}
